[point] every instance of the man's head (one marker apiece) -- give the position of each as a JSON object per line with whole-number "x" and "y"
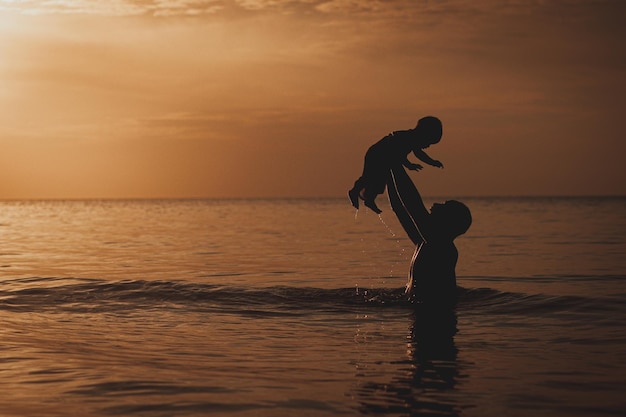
{"x": 453, "y": 216}
{"x": 430, "y": 129}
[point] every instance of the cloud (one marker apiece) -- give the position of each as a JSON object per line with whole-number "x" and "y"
{"x": 409, "y": 12}
{"x": 110, "y": 7}
{"x": 375, "y": 8}
{"x": 158, "y": 8}
{"x": 307, "y": 81}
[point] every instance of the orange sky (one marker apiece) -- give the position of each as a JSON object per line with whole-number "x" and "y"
{"x": 255, "y": 98}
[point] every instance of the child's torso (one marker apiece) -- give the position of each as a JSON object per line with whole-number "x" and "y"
{"x": 395, "y": 145}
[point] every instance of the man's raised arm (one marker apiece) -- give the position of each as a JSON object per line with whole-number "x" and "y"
{"x": 407, "y": 203}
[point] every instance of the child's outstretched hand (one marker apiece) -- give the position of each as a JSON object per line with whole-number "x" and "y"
{"x": 437, "y": 164}
{"x": 414, "y": 167}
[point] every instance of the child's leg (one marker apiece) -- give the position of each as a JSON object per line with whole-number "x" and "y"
{"x": 372, "y": 205}
{"x": 374, "y": 171}
{"x": 369, "y": 197}
{"x": 353, "y": 193}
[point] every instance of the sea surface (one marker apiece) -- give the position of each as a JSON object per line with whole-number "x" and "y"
{"x": 296, "y": 308}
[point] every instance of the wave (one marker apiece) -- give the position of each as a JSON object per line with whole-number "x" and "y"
{"x": 94, "y": 295}
{"x": 97, "y": 295}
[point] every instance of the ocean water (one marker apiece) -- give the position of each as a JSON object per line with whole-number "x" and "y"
{"x": 296, "y": 307}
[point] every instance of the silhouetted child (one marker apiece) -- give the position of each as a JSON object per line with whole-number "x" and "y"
{"x": 393, "y": 150}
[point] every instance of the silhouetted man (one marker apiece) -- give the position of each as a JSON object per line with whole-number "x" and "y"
{"x": 432, "y": 278}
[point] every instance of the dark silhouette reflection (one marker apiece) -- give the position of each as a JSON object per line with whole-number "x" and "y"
{"x": 426, "y": 380}
{"x": 434, "y": 357}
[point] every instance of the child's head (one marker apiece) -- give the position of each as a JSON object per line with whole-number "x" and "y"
{"x": 429, "y": 130}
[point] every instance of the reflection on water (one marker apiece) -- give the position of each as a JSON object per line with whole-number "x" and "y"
{"x": 426, "y": 379}
{"x": 281, "y": 308}
{"x": 434, "y": 355}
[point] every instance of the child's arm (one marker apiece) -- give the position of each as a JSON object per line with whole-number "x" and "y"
{"x": 410, "y": 165}
{"x": 423, "y": 156}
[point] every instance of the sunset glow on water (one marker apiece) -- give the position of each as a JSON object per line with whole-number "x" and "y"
{"x": 270, "y": 307}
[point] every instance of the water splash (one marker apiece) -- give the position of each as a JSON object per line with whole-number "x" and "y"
{"x": 391, "y": 232}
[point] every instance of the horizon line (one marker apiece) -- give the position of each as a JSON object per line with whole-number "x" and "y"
{"x": 495, "y": 196}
